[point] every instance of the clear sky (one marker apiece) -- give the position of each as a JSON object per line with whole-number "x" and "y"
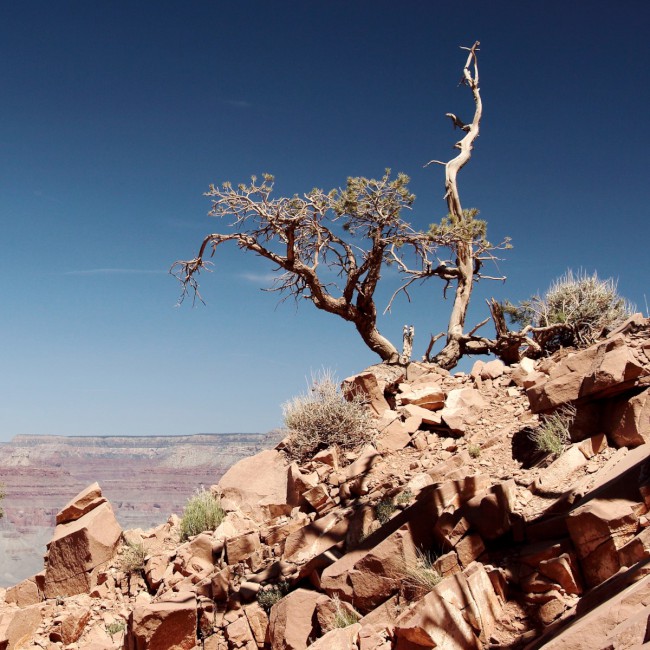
{"x": 115, "y": 117}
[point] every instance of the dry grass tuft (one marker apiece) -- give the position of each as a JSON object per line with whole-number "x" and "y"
{"x": 323, "y": 417}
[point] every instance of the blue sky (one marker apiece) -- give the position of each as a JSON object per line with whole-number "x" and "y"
{"x": 115, "y": 117}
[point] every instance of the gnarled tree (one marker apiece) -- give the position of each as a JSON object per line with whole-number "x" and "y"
{"x": 330, "y": 246}
{"x": 464, "y": 235}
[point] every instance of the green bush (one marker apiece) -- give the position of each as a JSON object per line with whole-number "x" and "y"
{"x": 2, "y": 496}
{"x": 115, "y": 628}
{"x": 323, "y": 418}
{"x": 202, "y": 512}
{"x": 584, "y": 304}
{"x": 272, "y": 594}
{"x": 552, "y": 435}
{"x": 474, "y": 450}
{"x": 384, "y": 510}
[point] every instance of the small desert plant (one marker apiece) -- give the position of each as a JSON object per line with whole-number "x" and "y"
{"x": 404, "y": 497}
{"x": 270, "y": 595}
{"x": 2, "y": 496}
{"x": 581, "y": 306}
{"x": 420, "y": 572}
{"x": 324, "y": 417}
{"x": 133, "y": 556}
{"x": 474, "y": 451}
{"x": 202, "y": 512}
{"x": 552, "y": 435}
{"x": 115, "y": 628}
{"x": 343, "y": 617}
{"x": 384, "y": 510}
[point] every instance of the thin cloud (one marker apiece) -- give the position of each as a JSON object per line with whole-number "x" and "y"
{"x": 237, "y": 103}
{"x": 115, "y": 272}
{"x": 258, "y": 278}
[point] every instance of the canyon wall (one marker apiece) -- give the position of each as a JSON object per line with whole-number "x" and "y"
{"x": 145, "y": 477}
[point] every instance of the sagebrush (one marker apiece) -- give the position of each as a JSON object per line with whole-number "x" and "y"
{"x": 272, "y": 594}
{"x": 323, "y": 417}
{"x": 552, "y": 435}
{"x": 202, "y": 512}
{"x": 582, "y": 306}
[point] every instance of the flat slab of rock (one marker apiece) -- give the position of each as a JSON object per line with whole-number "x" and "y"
{"x": 84, "y": 502}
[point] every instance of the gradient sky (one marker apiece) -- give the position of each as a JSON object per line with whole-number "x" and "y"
{"x": 115, "y": 117}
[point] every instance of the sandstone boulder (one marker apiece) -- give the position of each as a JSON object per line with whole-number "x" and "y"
{"x": 19, "y": 625}
{"x": 79, "y": 550}
{"x": 258, "y": 485}
{"x": 366, "y": 384}
{"x": 292, "y": 621}
{"x": 168, "y": 625}
{"x": 629, "y": 420}
{"x": 463, "y": 408}
{"x": 598, "y": 529}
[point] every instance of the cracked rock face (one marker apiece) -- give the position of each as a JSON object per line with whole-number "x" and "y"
{"x": 82, "y": 547}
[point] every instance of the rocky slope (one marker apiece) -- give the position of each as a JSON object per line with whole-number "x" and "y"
{"x": 145, "y": 478}
{"x": 524, "y": 550}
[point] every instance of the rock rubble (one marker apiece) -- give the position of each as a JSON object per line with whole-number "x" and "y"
{"x": 447, "y": 529}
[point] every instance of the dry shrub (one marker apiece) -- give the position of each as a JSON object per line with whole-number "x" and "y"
{"x": 133, "y": 557}
{"x": 323, "y": 417}
{"x": 587, "y": 305}
{"x": 420, "y": 573}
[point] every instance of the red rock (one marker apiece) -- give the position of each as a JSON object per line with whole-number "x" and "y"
{"x": 492, "y": 369}
{"x": 24, "y": 593}
{"x": 593, "y": 446}
{"x": 607, "y": 624}
{"x": 258, "y": 622}
{"x": 242, "y": 547}
{"x": 451, "y": 616}
{"x": 239, "y": 634}
{"x": 563, "y": 571}
{"x": 343, "y": 638}
{"x": 366, "y": 384}
{"x": 394, "y": 437}
{"x": 17, "y": 625}
{"x": 298, "y": 483}
{"x": 258, "y": 484}
{"x": 463, "y": 408}
{"x": 366, "y": 578}
{"x": 84, "y": 502}
{"x": 469, "y": 549}
{"x": 168, "y": 625}
{"x": 291, "y": 622}
{"x": 70, "y": 625}
{"x": 79, "y": 550}
{"x": 318, "y": 497}
{"x": 598, "y": 529}
{"x": 310, "y": 541}
{"x": 489, "y": 513}
{"x": 431, "y": 398}
{"x": 629, "y": 420}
